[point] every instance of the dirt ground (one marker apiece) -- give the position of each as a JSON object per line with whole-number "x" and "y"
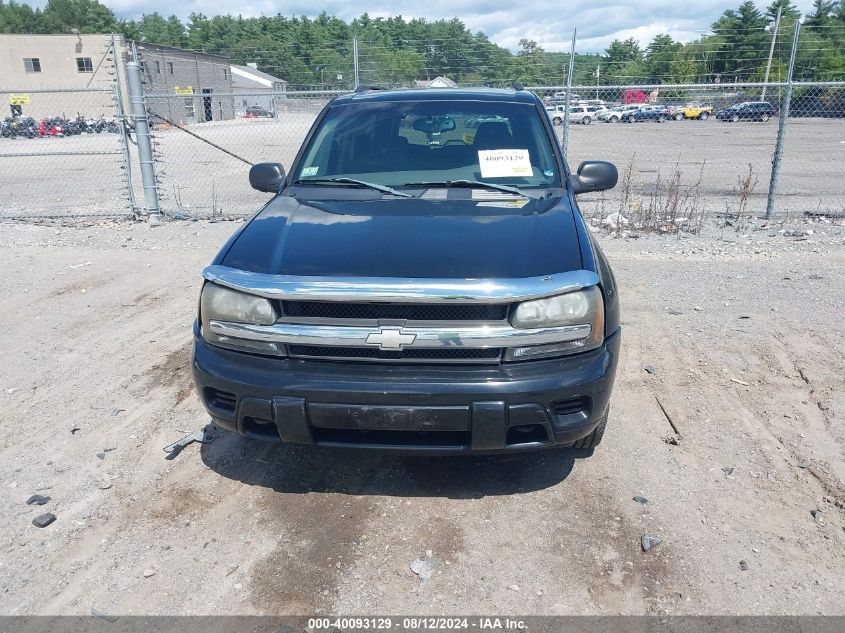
{"x": 744, "y": 331}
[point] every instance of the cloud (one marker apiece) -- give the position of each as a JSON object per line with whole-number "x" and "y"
{"x": 549, "y": 22}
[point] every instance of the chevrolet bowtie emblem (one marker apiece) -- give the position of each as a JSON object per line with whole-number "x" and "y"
{"x": 390, "y": 338}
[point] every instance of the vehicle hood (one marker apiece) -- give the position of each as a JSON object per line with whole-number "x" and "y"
{"x": 409, "y": 238}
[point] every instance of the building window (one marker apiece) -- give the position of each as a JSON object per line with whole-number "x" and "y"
{"x": 32, "y": 64}
{"x": 170, "y": 67}
{"x": 84, "y": 65}
{"x": 158, "y": 67}
{"x": 189, "y": 108}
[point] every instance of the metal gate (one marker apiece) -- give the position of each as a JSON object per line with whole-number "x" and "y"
{"x": 64, "y": 153}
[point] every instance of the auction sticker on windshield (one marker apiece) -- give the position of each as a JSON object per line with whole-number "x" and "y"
{"x": 504, "y": 163}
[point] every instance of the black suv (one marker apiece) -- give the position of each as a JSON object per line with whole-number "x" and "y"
{"x": 748, "y": 111}
{"x": 415, "y": 284}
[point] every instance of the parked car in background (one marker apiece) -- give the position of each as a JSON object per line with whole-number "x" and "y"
{"x": 657, "y": 113}
{"x": 559, "y": 98}
{"x": 583, "y": 114}
{"x": 675, "y": 111}
{"x": 747, "y": 111}
{"x": 577, "y": 114}
{"x": 614, "y": 115}
{"x": 696, "y": 111}
{"x": 254, "y": 112}
{"x": 556, "y": 113}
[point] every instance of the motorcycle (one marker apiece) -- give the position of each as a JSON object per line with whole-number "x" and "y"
{"x": 7, "y": 130}
{"x": 51, "y": 127}
{"x": 77, "y": 126}
{"x": 24, "y": 126}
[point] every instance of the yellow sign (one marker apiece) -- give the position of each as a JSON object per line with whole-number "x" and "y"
{"x": 18, "y": 99}
{"x": 184, "y": 91}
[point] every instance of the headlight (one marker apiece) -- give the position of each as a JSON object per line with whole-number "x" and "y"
{"x": 218, "y": 303}
{"x": 583, "y": 307}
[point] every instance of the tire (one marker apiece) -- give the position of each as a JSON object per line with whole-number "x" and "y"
{"x": 661, "y": 119}
{"x": 586, "y": 120}
{"x": 734, "y": 118}
{"x": 703, "y": 116}
{"x": 764, "y": 118}
{"x": 679, "y": 117}
{"x": 594, "y": 438}
{"x": 614, "y": 119}
{"x": 557, "y": 120}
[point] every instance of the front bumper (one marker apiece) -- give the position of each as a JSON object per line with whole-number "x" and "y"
{"x": 434, "y": 409}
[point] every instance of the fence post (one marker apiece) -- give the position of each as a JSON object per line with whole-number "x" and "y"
{"x": 784, "y": 113}
{"x": 355, "y": 59}
{"x": 142, "y": 137}
{"x": 565, "y": 142}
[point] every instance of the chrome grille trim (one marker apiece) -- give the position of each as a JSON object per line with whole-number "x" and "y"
{"x": 423, "y": 337}
{"x": 399, "y": 290}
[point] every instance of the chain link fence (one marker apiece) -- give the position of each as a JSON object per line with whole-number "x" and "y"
{"x": 64, "y": 154}
{"x": 201, "y": 168}
{"x": 684, "y": 152}
{"x": 697, "y": 150}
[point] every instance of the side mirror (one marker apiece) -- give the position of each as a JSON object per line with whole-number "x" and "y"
{"x": 594, "y": 175}
{"x": 267, "y": 177}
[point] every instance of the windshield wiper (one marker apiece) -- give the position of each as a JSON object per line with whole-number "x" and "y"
{"x": 352, "y": 181}
{"x": 468, "y": 184}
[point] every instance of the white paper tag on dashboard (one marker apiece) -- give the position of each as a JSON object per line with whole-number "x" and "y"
{"x": 504, "y": 163}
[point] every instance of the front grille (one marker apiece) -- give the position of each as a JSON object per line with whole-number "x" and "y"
{"x": 452, "y": 354}
{"x": 405, "y": 311}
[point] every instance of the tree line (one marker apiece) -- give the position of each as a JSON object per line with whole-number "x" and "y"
{"x": 394, "y": 51}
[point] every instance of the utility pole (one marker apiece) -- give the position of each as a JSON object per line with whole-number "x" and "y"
{"x": 784, "y": 114}
{"x": 566, "y": 107}
{"x": 771, "y": 54}
{"x": 598, "y": 76}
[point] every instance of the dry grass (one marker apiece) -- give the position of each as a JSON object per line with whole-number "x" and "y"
{"x": 671, "y": 205}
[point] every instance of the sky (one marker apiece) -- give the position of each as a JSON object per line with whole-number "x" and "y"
{"x": 549, "y": 22}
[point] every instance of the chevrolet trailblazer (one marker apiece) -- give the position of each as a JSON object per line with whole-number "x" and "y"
{"x": 415, "y": 285}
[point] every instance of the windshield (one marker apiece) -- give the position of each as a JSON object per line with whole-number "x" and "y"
{"x": 398, "y": 143}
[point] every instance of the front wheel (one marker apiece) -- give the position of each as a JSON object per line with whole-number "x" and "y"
{"x": 557, "y": 120}
{"x": 703, "y": 116}
{"x": 586, "y": 120}
{"x": 734, "y": 118}
{"x": 614, "y": 119}
{"x": 764, "y": 118}
{"x": 661, "y": 119}
{"x": 679, "y": 117}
